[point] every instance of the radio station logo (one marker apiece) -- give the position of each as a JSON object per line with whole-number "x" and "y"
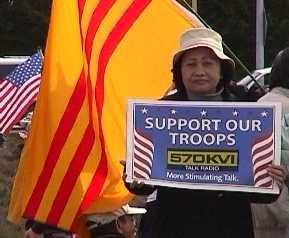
{"x": 202, "y": 160}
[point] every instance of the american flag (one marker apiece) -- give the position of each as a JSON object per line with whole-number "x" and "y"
{"x": 262, "y": 156}
{"x": 18, "y": 91}
{"x": 143, "y": 156}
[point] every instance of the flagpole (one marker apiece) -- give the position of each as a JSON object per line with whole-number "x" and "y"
{"x": 225, "y": 46}
{"x": 260, "y": 34}
{"x": 195, "y": 4}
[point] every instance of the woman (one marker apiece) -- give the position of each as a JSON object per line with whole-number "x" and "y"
{"x": 202, "y": 72}
{"x": 272, "y": 220}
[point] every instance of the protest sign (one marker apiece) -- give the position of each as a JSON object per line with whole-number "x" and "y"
{"x": 203, "y": 145}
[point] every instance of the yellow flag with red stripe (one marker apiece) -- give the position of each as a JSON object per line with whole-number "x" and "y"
{"x": 99, "y": 53}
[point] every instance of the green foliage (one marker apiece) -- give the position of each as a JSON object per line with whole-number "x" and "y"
{"x": 278, "y": 27}
{"x": 232, "y": 20}
{"x": 23, "y": 26}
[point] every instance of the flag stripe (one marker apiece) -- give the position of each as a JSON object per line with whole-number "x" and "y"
{"x": 143, "y": 164}
{"x": 263, "y": 164}
{"x": 17, "y": 88}
{"x": 87, "y": 141}
{"x": 81, "y": 4}
{"x": 143, "y": 141}
{"x": 14, "y": 93}
{"x": 139, "y": 167}
{"x": 114, "y": 38}
{"x": 9, "y": 93}
{"x": 18, "y": 94}
{"x": 22, "y": 111}
{"x": 262, "y": 156}
{"x": 28, "y": 95}
{"x": 71, "y": 176}
{"x": 261, "y": 142}
{"x": 77, "y": 162}
{"x": 59, "y": 139}
{"x": 143, "y": 158}
{"x": 138, "y": 173}
{"x": 262, "y": 148}
{"x": 5, "y": 89}
{"x": 142, "y": 149}
{"x": 98, "y": 15}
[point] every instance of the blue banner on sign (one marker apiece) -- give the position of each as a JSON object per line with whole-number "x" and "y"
{"x": 221, "y": 144}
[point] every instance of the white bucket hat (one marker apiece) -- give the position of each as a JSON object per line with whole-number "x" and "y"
{"x": 104, "y": 218}
{"x": 202, "y": 37}
{"x": 128, "y": 210}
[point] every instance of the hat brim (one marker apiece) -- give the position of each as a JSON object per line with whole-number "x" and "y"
{"x": 218, "y": 53}
{"x": 128, "y": 210}
{"x": 135, "y": 211}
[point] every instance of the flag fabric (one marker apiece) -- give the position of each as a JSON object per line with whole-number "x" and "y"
{"x": 18, "y": 91}
{"x": 143, "y": 155}
{"x": 262, "y": 156}
{"x": 98, "y": 54}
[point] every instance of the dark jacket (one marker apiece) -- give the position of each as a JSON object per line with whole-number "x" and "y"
{"x": 183, "y": 213}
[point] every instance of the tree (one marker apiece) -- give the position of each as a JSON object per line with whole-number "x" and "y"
{"x": 231, "y": 19}
{"x": 23, "y": 26}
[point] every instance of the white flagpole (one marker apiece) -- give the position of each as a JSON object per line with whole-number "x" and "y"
{"x": 260, "y": 34}
{"x": 195, "y": 5}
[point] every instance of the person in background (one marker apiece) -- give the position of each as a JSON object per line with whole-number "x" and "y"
{"x": 38, "y": 230}
{"x": 202, "y": 72}
{"x": 120, "y": 223}
{"x": 272, "y": 220}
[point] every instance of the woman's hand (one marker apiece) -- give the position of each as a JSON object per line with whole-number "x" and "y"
{"x": 31, "y": 234}
{"x": 135, "y": 184}
{"x": 279, "y": 173}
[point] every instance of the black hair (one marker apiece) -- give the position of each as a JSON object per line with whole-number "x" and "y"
{"x": 280, "y": 70}
{"x": 227, "y": 75}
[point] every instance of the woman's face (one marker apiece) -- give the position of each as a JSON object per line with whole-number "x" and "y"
{"x": 201, "y": 71}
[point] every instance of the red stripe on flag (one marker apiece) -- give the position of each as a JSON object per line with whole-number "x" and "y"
{"x": 59, "y": 139}
{"x": 71, "y": 176}
{"x": 18, "y": 104}
{"x": 22, "y": 112}
{"x": 81, "y": 4}
{"x": 75, "y": 167}
{"x": 114, "y": 38}
{"x": 6, "y": 88}
{"x": 97, "y": 17}
{"x": 12, "y": 91}
{"x": 18, "y": 95}
{"x": 87, "y": 141}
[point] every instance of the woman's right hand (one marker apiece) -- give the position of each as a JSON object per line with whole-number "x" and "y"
{"x": 31, "y": 234}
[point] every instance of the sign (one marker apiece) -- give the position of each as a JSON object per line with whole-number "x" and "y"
{"x": 203, "y": 145}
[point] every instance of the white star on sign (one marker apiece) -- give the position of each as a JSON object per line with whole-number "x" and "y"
{"x": 235, "y": 113}
{"x": 144, "y": 110}
{"x": 203, "y": 112}
{"x": 173, "y": 111}
{"x": 264, "y": 114}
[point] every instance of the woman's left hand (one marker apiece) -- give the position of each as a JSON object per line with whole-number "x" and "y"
{"x": 279, "y": 173}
